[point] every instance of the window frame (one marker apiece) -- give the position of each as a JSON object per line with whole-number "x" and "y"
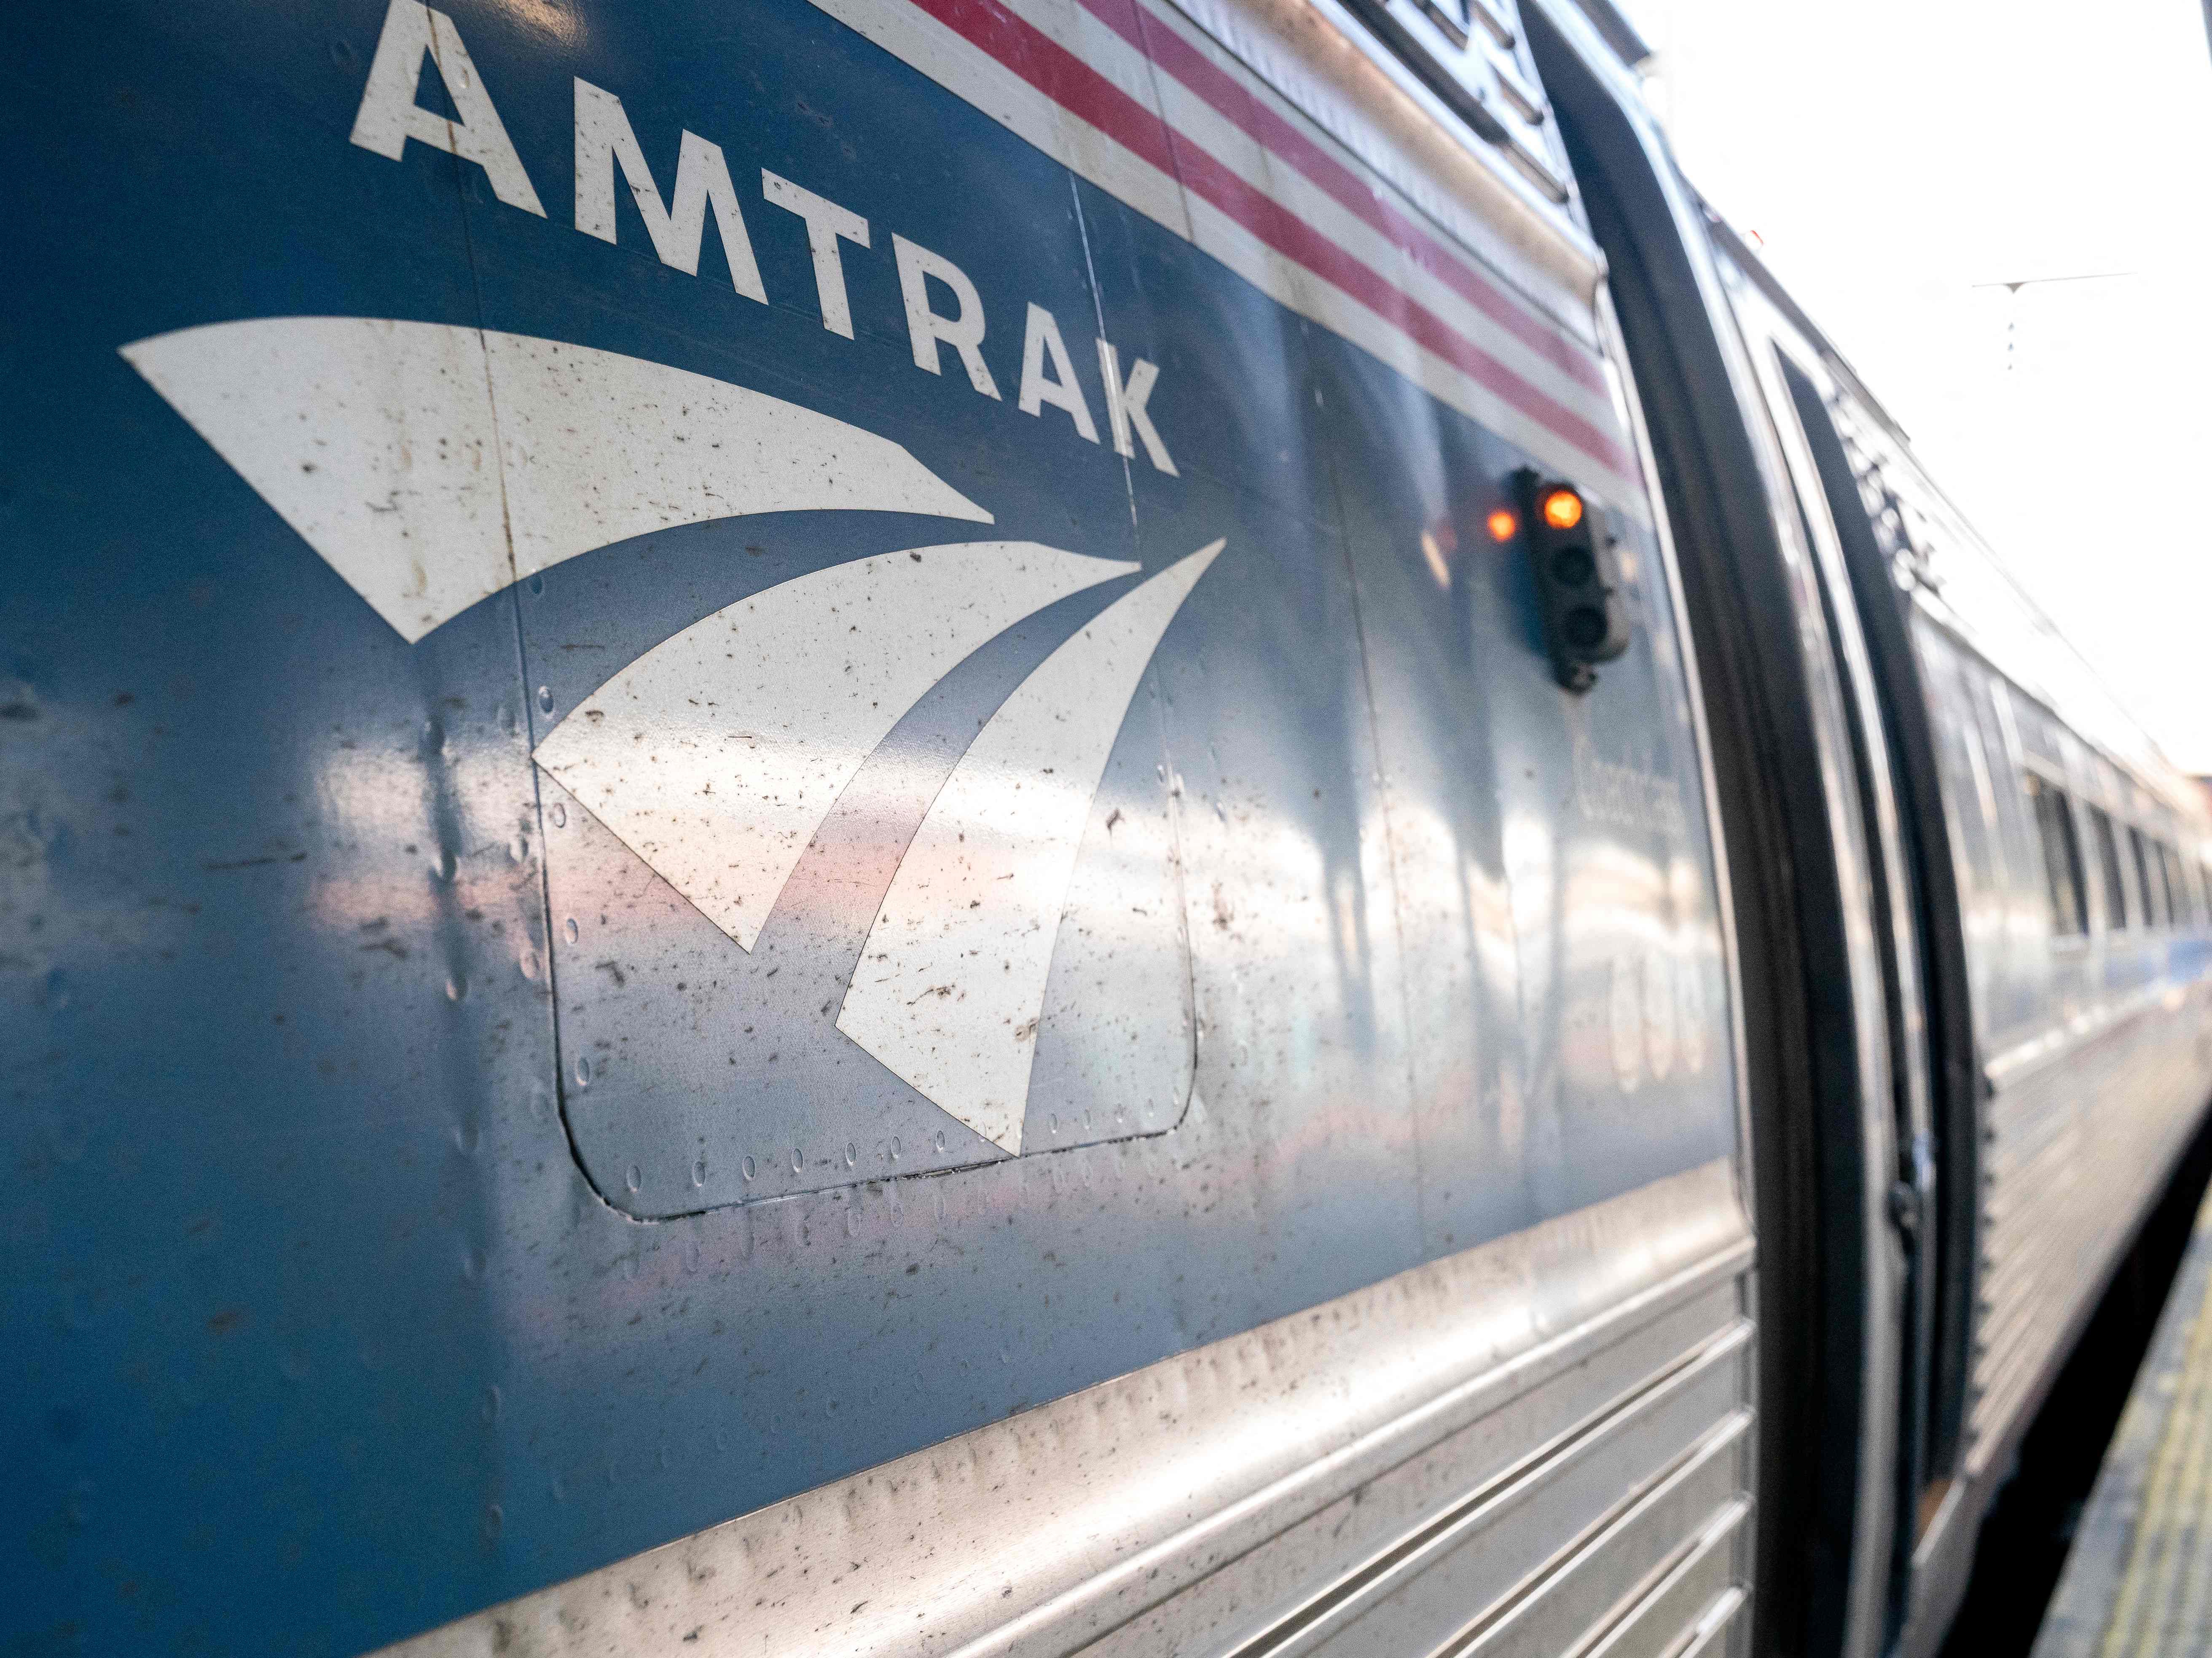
{"x": 2050, "y": 802}
{"x": 2124, "y": 905}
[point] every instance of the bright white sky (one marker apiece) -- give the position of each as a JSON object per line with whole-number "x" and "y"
{"x": 1892, "y": 155}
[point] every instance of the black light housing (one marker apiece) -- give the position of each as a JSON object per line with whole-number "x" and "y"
{"x": 1570, "y": 553}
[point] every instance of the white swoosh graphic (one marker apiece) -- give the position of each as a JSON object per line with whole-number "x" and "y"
{"x": 716, "y": 755}
{"x": 952, "y": 982}
{"x": 413, "y": 456}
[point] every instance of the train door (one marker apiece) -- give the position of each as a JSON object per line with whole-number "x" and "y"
{"x": 1917, "y": 907}
{"x": 1842, "y": 1112}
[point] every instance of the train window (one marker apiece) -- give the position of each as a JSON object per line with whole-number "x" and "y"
{"x": 2169, "y": 878}
{"x": 2183, "y": 885}
{"x": 2062, "y": 858}
{"x": 2119, "y": 911}
{"x": 2000, "y": 749}
{"x": 2148, "y": 871}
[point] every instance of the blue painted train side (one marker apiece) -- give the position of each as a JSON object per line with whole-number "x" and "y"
{"x": 794, "y": 862}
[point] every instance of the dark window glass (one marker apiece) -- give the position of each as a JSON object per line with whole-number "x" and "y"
{"x": 2062, "y": 857}
{"x": 2147, "y": 871}
{"x": 2169, "y": 877}
{"x": 2116, "y": 907}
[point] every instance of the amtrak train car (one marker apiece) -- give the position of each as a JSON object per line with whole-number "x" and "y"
{"x": 1007, "y": 826}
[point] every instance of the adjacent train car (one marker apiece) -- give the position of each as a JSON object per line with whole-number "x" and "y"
{"x": 1010, "y": 826}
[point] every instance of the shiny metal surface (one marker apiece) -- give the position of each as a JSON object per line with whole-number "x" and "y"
{"x": 2076, "y": 1148}
{"x": 1321, "y": 1576}
{"x": 1482, "y": 1363}
{"x": 1328, "y": 64}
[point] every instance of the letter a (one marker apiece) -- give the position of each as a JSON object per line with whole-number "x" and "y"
{"x": 1039, "y": 344}
{"x": 389, "y": 116}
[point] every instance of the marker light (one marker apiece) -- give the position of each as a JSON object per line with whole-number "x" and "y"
{"x": 1577, "y": 577}
{"x": 1503, "y": 526}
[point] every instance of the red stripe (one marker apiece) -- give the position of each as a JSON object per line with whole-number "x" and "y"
{"x": 1057, "y": 73}
{"x": 1166, "y": 47}
{"x": 1076, "y": 87}
{"x": 1282, "y": 230}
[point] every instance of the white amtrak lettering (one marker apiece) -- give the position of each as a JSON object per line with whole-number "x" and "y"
{"x": 962, "y": 332}
{"x": 605, "y": 137}
{"x": 604, "y": 141}
{"x": 1124, "y": 408}
{"x": 826, "y": 222}
{"x": 389, "y": 116}
{"x": 1041, "y": 344}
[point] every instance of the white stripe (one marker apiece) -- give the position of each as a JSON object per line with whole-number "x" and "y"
{"x": 716, "y": 755}
{"x": 912, "y": 35}
{"x": 1325, "y": 303}
{"x": 952, "y": 982}
{"x": 433, "y": 465}
{"x": 1457, "y": 237}
{"x": 1098, "y": 44}
{"x": 1196, "y": 121}
{"x": 970, "y": 73}
{"x": 1306, "y": 53}
{"x": 1268, "y": 173}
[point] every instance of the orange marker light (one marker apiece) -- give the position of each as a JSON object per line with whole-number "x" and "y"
{"x": 1503, "y": 526}
{"x": 1563, "y": 509}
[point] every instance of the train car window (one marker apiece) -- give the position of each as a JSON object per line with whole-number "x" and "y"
{"x": 2119, "y": 911}
{"x": 1978, "y": 848}
{"x": 2176, "y": 897}
{"x": 2039, "y": 733}
{"x": 2062, "y": 858}
{"x": 2189, "y": 896}
{"x": 2154, "y": 912}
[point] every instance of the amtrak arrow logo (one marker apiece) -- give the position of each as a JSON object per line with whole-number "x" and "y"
{"x": 433, "y": 466}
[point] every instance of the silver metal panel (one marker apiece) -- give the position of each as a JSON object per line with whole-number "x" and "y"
{"x": 1716, "y": 1625}
{"x": 1299, "y": 1579}
{"x": 2077, "y": 1141}
{"x": 1690, "y": 1517}
{"x": 1156, "y": 1478}
{"x": 1327, "y": 64}
{"x": 1694, "y": 1598}
{"x": 1496, "y": 1564}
